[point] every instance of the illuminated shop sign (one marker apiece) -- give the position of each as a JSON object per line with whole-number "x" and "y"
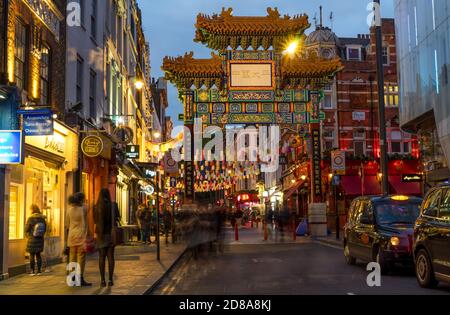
{"x": 10, "y": 147}
{"x": 412, "y": 178}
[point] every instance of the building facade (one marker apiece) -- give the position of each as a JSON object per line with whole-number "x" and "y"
{"x": 423, "y": 52}
{"x": 350, "y": 124}
{"x": 32, "y": 78}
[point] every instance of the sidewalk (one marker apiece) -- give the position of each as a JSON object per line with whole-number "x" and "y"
{"x": 331, "y": 239}
{"x": 136, "y": 271}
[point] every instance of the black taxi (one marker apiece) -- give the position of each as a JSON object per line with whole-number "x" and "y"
{"x": 432, "y": 238}
{"x": 380, "y": 229}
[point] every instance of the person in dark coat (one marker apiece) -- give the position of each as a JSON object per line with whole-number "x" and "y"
{"x": 35, "y": 230}
{"x": 106, "y": 217}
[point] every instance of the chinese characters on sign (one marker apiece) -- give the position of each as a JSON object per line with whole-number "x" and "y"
{"x": 317, "y": 173}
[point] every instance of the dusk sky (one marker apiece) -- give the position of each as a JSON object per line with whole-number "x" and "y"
{"x": 169, "y": 25}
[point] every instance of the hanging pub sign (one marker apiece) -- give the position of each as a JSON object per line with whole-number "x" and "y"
{"x": 148, "y": 190}
{"x": 10, "y": 147}
{"x": 412, "y": 178}
{"x": 132, "y": 152}
{"x": 92, "y": 146}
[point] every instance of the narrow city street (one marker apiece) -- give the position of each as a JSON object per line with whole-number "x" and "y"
{"x": 306, "y": 267}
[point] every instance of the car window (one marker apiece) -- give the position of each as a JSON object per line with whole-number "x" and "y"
{"x": 397, "y": 212}
{"x": 430, "y": 207}
{"x": 444, "y": 208}
{"x": 355, "y": 207}
{"x": 359, "y": 210}
{"x": 366, "y": 211}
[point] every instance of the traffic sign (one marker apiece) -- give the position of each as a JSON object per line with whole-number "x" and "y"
{"x": 338, "y": 162}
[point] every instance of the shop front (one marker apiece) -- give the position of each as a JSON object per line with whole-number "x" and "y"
{"x": 46, "y": 180}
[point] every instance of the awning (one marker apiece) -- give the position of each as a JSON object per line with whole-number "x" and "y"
{"x": 293, "y": 190}
{"x": 351, "y": 185}
{"x": 398, "y": 187}
{"x": 371, "y": 186}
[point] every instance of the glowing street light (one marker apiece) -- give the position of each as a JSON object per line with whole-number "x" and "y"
{"x": 157, "y": 134}
{"x": 139, "y": 84}
{"x": 292, "y": 47}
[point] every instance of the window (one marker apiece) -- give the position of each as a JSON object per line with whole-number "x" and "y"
{"x": 406, "y": 147}
{"x": 20, "y": 46}
{"x": 396, "y": 147}
{"x": 79, "y": 86}
{"x": 367, "y": 213}
{"x": 328, "y": 145}
{"x": 431, "y": 204}
{"x": 391, "y": 95}
{"x": 385, "y": 54}
{"x": 354, "y": 54}
{"x": 16, "y": 213}
{"x": 359, "y": 133}
{"x": 92, "y": 93}
{"x": 94, "y": 19}
{"x": 327, "y": 103}
{"x": 82, "y": 10}
{"x": 444, "y": 209}
{"x": 328, "y": 133}
{"x": 358, "y": 148}
{"x": 45, "y": 75}
{"x": 114, "y": 22}
{"x": 120, "y": 35}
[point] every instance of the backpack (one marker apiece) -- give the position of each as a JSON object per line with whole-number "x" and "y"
{"x": 39, "y": 229}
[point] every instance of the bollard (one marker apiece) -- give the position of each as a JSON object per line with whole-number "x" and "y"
{"x": 266, "y": 235}
{"x": 236, "y": 232}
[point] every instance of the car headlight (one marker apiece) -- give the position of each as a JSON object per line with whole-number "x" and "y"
{"x": 395, "y": 241}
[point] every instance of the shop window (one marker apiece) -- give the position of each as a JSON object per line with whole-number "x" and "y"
{"x": 92, "y": 93}
{"x": 16, "y": 213}
{"x": 43, "y": 189}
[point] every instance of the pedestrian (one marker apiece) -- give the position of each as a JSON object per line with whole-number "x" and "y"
{"x": 139, "y": 218}
{"x": 146, "y": 222}
{"x": 77, "y": 233}
{"x": 106, "y": 218}
{"x": 35, "y": 230}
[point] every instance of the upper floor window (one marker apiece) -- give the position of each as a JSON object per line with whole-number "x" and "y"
{"x": 327, "y": 102}
{"x": 44, "y": 74}
{"x": 79, "y": 86}
{"x": 354, "y": 53}
{"x": 92, "y": 93}
{"x": 385, "y": 54}
{"x": 20, "y": 44}
{"x": 94, "y": 20}
{"x": 391, "y": 95}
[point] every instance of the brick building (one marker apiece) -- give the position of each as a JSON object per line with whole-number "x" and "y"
{"x": 351, "y": 122}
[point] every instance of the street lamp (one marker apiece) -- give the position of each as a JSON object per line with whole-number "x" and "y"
{"x": 157, "y": 134}
{"x": 139, "y": 84}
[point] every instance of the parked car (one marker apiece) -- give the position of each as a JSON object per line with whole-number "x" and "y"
{"x": 432, "y": 238}
{"x": 380, "y": 229}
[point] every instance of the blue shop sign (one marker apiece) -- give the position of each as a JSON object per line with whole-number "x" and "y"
{"x": 38, "y": 124}
{"x": 10, "y": 147}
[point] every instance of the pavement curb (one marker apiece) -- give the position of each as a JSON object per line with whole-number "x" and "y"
{"x": 328, "y": 241}
{"x": 160, "y": 279}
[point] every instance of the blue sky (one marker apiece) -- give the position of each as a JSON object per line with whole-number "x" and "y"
{"x": 169, "y": 25}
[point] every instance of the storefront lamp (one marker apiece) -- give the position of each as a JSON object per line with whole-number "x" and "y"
{"x": 293, "y": 181}
{"x": 303, "y": 177}
{"x": 157, "y": 134}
